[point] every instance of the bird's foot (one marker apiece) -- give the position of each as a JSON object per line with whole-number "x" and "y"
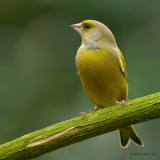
{"x": 123, "y": 101}
{"x": 84, "y": 113}
{"x": 96, "y": 108}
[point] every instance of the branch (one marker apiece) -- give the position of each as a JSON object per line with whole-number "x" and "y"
{"x": 71, "y": 131}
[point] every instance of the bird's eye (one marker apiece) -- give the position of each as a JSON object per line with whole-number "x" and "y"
{"x": 87, "y": 26}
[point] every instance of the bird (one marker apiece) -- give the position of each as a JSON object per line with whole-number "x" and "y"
{"x": 103, "y": 71}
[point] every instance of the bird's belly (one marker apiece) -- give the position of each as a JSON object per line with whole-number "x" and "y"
{"x": 102, "y": 80}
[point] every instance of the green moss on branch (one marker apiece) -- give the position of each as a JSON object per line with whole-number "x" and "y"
{"x": 71, "y": 131}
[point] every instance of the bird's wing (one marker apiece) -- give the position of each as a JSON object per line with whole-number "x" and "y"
{"x": 122, "y": 64}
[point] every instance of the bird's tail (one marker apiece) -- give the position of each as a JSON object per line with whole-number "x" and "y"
{"x": 128, "y": 133}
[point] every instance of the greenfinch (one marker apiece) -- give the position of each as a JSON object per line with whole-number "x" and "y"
{"x": 102, "y": 71}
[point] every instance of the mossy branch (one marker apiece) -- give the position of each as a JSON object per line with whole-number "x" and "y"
{"x": 78, "y": 129}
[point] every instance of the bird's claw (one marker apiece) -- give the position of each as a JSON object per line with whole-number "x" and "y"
{"x": 82, "y": 114}
{"x": 123, "y": 101}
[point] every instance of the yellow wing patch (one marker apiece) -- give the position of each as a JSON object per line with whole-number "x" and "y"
{"x": 122, "y": 64}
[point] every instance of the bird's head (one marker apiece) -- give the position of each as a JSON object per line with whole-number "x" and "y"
{"x": 94, "y": 34}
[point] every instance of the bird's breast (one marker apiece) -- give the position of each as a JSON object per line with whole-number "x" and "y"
{"x": 100, "y": 75}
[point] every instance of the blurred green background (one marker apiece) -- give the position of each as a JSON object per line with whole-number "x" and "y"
{"x": 39, "y": 85}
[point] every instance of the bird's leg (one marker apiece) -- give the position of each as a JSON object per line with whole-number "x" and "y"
{"x": 95, "y": 109}
{"x": 127, "y": 100}
{"x": 84, "y": 113}
{"x": 123, "y": 101}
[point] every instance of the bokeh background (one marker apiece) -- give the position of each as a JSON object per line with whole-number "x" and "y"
{"x": 39, "y": 85}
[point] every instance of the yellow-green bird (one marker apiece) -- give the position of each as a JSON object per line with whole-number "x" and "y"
{"x": 102, "y": 71}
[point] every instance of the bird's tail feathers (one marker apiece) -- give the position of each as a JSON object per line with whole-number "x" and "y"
{"x": 128, "y": 133}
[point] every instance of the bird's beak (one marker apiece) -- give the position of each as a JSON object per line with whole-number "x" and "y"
{"x": 77, "y": 27}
